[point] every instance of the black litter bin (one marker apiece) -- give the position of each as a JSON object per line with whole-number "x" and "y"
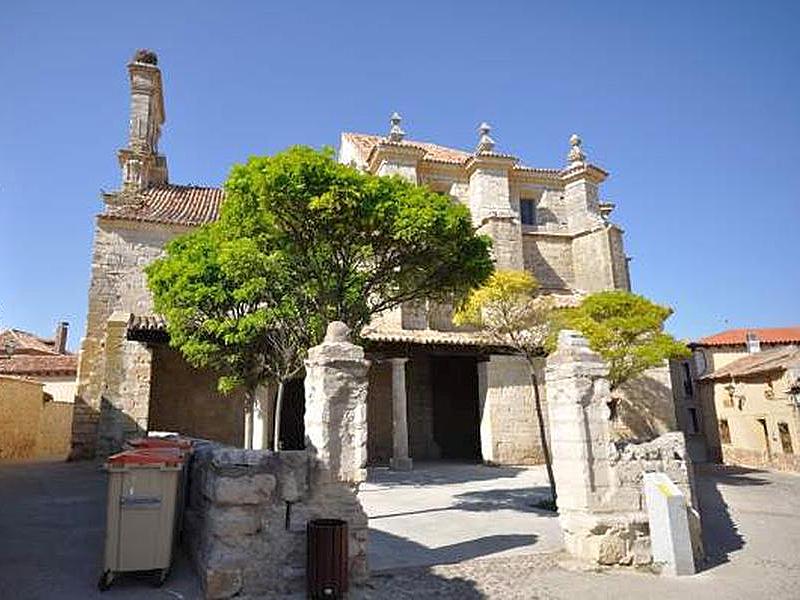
{"x": 326, "y": 568}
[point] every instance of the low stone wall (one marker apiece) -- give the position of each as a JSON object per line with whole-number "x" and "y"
{"x": 55, "y": 430}
{"x": 30, "y": 427}
{"x": 245, "y": 524}
{"x": 759, "y": 459}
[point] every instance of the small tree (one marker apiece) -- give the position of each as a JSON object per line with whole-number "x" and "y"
{"x": 301, "y": 241}
{"x": 627, "y": 330}
{"x": 228, "y": 307}
{"x": 510, "y": 312}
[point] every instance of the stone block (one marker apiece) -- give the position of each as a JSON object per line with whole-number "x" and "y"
{"x": 219, "y": 584}
{"x": 246, "y": 489}
{"x": 233, "y": 521}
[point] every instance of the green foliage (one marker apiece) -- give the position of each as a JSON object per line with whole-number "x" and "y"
{"x": 507, "y": 308}
{"x": 627, "y": 330}
{"x": 303, "y": 240}
{"x": 357, "y": 243}
{"x": 228, "y": 306}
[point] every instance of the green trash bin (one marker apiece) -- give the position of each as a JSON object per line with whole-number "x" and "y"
{"x": 142, "y": 511}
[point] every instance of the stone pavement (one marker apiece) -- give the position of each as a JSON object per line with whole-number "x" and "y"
{"x": 752, "y": 536}
{"x": 51, "y": 526}
{"x": 448, "y": 512}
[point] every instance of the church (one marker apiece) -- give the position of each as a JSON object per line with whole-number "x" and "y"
{"x": 435, "y": 390}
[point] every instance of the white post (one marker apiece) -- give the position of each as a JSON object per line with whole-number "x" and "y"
{"x": 669, "y": 525}
{"x": 400, "y": 460}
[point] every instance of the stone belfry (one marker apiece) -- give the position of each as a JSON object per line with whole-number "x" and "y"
{"x": 142, "y": 165}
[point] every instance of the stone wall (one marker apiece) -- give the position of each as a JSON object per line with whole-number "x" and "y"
{"x": 379, "y": 413}
{"x": 600, "y": 482}
{"x": 20, "y": 413}
{"x": 509, "y": 430}
{"x": 549, "y": 258}
{"x": 760, "y": 459}
{"x": 30, "y": 427}
{"x": 186, "y": 400}
{"x": 125, "y": 396}
{"x": 592, "y": 261}
{"x": 121, "y": 250}
{"x": 55, "y": 431}
{"x": 248, "y": 510}
{"x": 646, "y": 406}
{"x": 246, "y": 520}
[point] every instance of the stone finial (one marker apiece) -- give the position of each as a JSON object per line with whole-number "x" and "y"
{"x": 485, "y": 141}
{"x": 143, "y": 55}
{"x": 396, "y": 133}
{"x": 337, "y": 332}
{"x": 576, "y": 154}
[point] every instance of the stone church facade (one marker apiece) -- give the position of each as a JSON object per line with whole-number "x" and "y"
{"x": 436, "y": 391}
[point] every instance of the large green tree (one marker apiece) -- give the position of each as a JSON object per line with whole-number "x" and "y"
{"x": 356, "y": 243}
{"x": 301, "y": 241}
{"x": 510, "y": 311}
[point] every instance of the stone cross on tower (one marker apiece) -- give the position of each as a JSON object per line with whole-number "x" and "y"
{"x": 396, "y": 133}
{"x": 485, "y": 142}
{"x": 576, "y": 155}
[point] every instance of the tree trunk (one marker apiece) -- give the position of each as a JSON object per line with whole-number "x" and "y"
{"x": 548, "y": 461}
{"x": 249, "y": 417}
{"x": 276, "y": 436}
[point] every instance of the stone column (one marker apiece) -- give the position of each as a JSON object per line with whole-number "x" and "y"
{"x": 336, "y": 406}
{"x": 400, "y": 459}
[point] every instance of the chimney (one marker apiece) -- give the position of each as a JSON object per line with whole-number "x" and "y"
{"x": 60, "y": 338}
{"x": 753, "y": 343}
{"x": 142, "y": 165}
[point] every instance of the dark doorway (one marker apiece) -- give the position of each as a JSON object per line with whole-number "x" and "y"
{"x": 456, "y": 416}
{"x": 293, "y": 430}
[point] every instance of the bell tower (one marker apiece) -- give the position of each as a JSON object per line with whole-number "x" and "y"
{"x": 142, "y": 165}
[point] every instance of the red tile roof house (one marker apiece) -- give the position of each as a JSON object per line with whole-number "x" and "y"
{"x": 749, "y": 385}
{"x": 26, "y": 355}
{"x": 464, "y": 398}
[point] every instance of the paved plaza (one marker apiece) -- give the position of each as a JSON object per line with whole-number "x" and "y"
{"x": 475, "y": 523}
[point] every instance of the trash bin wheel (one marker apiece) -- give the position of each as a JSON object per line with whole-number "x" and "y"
{"x": 161, "y": 576}
{"x": 105, "y": 581}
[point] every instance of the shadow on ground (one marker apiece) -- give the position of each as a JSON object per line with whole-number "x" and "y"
{"x": 440, "y": 473}
{"x": 721, "y": 535}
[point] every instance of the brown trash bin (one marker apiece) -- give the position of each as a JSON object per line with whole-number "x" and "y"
{"x": 326, "y": 568}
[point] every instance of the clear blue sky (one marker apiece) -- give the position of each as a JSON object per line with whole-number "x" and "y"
{"x": 694, "y": 108}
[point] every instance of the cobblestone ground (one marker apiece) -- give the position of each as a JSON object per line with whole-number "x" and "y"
{"x": 510, "y": 577}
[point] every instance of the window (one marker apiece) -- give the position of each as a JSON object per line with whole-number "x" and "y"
{"x": 724, "y": 432}
{"x": 786, "y": 438}
{"x": 694, "y": 423}
{"x": 687, "y": 379}
{"x": 527, "y": 211}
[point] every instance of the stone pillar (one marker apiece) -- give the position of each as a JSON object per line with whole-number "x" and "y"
{"x": 400, "y": 460}
{"x": 577, "y": 396}
{"x": 125, "y": 400}
{"x": 263, "y": 417}
{"x": 336, "y": 406}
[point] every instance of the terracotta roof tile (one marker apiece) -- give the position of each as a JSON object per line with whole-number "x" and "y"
{"x": 766, "y": 335}
{"x": 171, "y": 204}
{"x": 24, "y": 342}
{"x": 365, "y": 142}
{"x": 43, "y": 364}
{"x": 776, "y": 359}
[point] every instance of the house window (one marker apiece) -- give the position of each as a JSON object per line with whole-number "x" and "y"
{"x": 786, "y": 438}
{"x": 527, "y": 211}
{"x": 693, "y": 424}
{"x": 724, "y": 432}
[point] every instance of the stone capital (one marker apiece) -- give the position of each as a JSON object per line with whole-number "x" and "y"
{"x": 490, "y": 161}
{"x": 583, "y": 171}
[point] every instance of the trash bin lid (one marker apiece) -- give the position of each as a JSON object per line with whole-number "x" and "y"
{"x": 156, "y": 442}
{"x": 149, "y": 456}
